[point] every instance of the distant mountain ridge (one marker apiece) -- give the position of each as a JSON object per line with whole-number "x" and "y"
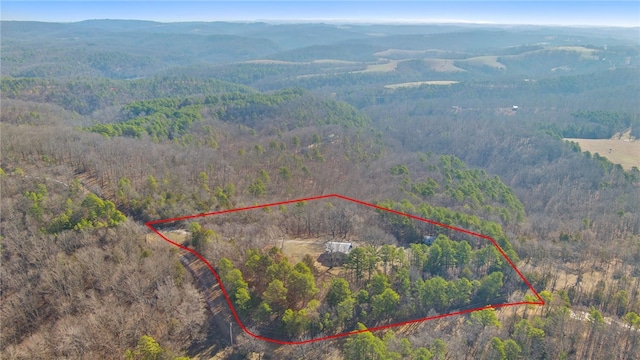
{"x": 129, "y": 49}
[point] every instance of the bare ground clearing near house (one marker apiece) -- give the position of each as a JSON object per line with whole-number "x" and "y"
{"x": 296, "y": 249}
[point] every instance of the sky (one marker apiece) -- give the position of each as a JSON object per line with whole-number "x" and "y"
{"x": 567, "y": 12}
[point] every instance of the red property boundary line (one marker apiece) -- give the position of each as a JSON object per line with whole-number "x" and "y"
{"x": 237, "y": 318}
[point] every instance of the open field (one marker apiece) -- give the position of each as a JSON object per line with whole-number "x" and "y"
{"x": 334, "y": 61}
{"x": 442, "y": 65}
{"x": 418, "y": 83}
{"x": 623, "y": 152}
{"x": 296, "y": 249}
{"x": 388, "y": 66}
{"x": 273, "y": 62}
{"x": 319, "y": 61}
{"x": 400, "y": 52}
{"x": 491, "y": 61}
{"x": 179, "y": 236}
{"x": 409, "y": 54}
{"x": 585, "y": 53}
{"x": 391, "y": 65}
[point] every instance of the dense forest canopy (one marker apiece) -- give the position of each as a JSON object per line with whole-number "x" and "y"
{"x": 108, "y": 124}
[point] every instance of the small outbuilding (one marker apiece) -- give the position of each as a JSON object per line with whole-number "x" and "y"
{"x": 428, "y": 239}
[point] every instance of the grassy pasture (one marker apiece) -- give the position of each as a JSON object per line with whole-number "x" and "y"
{"x": 296, "y": 249}
{"x": 442, "y": 65}
{"x": 319, "y": 61}
{"x": 410, "y": 54}
{"x": 491, "y": 61}
{"x": 585, "y": 53}
{"x": 623, "y": 152}
{"x": 400, "y": 53}
{"x": 418, "y": 83}
{"x": 273, "y": 62}
{"x": 391, "y": 65}
{"x": 333, "y": 61}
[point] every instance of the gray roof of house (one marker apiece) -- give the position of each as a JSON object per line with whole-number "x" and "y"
{"x": 343, "y": 247}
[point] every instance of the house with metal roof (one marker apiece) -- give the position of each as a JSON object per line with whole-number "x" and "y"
{"x": 338, "y": 247}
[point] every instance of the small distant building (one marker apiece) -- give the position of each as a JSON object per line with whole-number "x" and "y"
{"x": 338, "y": 247}
{"x": 428, "y": 240}
{"x": 515, "y": 108}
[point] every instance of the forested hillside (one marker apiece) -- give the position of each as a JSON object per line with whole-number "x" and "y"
{"x": 107, "y": 125}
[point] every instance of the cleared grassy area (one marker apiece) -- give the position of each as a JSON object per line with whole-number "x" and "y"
{"x": 624, "y": 152}
{"x": 491, "y": 61}
{"x": 273, "y": 62}
{"x": 405, "y": 54}
{"x": 400, "y": 52}
{"x": 391, "y": 65}
{"x": 296, "y": 249}
{"x": 319, "y": 61}
{"x": 333, "y": 61}
{"x": 585, "y": 53}
{"x": 179, "y": 236}
{"x": 418, "y": 83}
{"x": 442, "y": 65}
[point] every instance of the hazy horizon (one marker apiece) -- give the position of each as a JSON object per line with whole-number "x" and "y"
{"x": 558, "y": 13}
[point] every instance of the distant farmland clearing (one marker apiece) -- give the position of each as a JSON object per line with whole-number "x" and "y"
{"x": 333, "y": 61}
{"x": 442, "y": 65}
{"x": 491, "y": 61}
{"x": 391, "y": 65}
{"x": 623, "y": 152}
{"x": 273, "y": 62}
{"x": 319, "y": 61}
{"x": 418, "y": 83}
